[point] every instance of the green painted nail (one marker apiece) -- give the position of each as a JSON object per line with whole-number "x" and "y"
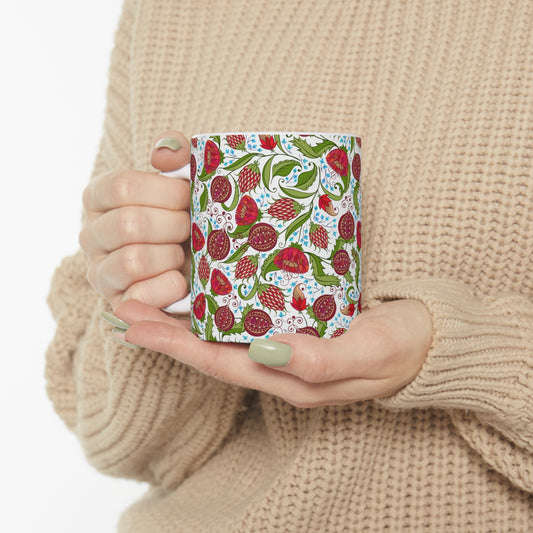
{"x": 124, "y": 343}
{"x": 115, "y": 321}
{"x": 269, "y": 352}
{"x": 168, "y": 142}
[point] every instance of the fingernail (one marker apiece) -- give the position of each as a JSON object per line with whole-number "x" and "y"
{"x": 119, "y": 335}
{"x": 115, "y": 321}
{"x": 168, "y": 142}
{"x": 124, "y": 343}
{"x": 269, "y": 352}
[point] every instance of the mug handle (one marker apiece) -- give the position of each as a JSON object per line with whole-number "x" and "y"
{"x": 182, "y": 306}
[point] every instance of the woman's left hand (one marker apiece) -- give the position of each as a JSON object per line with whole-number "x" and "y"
{"x": 381, "y": 352}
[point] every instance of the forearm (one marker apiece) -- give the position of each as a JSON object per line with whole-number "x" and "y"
{"x": 480, "y": 366}
{"x": 481, "y": 357}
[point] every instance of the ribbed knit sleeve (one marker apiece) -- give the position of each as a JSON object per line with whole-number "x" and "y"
{"x": 480, "y": 367}
{"x": 132, "y": 410}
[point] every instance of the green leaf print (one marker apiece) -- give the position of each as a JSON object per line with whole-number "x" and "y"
{"x": 266, "y": 173}
{"x": 323, "y": 147}
{"x": 209, "y": 329}
{"x": 234, "y": 202}
{"x": 269, "y": 265}
{"x": 298, "y": 222}
{"x": 211, "y": 304}
{"x": 241, "y": 232}
{"x": 348, "y": 293}
{"x": 307, "y": 179}
{"x": 356, "y": 197}
{"x": 239, "y": 163}
{"x": 357, "y": 265}
{"x": 318, "y": 272}
{"x": 339, "y": 243}
{"x": 313, "y": 152}
{"x": 238, "y": 254}
{"x": 204, "y": 176}
{"x": 297, "y": 194}
{"x": 321, "y": 327}
{"x": 252, "y": 292}
{"x": 194, "y": 325}
{"x": 237, "y": 329}
{"x": 304, "y": 148}
{"x": 284, "y": 168}
{"x": 203, "y": 199}
{"x": 332, "y": 195}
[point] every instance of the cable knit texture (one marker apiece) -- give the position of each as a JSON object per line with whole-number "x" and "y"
{"x": 442, "y": 94}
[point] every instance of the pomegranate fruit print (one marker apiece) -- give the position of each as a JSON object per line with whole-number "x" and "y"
{"x": 276, "y": 234}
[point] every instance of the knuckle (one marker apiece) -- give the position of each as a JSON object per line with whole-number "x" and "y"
{"x": 87, "y": 196}
{"x": 92, "y": 276}
{"x": 132, "y": 262}
{"x": 184, "y": 225}
{"x": 211, "y": 363}
{"x": 83, "y": 239}
{"x": 123, "y": 188}
{"x": 178, "y": 284}
{"x": 316, "y": 367}
{"x": 180, "y": 255}
{"x": 129, "y": 224}
{"x": 183, "y": 192}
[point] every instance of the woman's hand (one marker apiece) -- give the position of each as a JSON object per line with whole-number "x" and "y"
{"x": 381, "y": 352}
{"x": 135, "y": 226}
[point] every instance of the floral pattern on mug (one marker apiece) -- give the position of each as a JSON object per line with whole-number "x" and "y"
{"x": 275, "y": 234}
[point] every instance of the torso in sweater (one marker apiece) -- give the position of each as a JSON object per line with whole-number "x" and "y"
{"x": 441, "y": 93}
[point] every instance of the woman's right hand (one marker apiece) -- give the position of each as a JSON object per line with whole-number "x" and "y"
{"x": 136, "y": 227}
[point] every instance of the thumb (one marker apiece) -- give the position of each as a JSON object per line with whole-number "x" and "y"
{"x": 312, "y": 359}
{"x": 170, "y": 151}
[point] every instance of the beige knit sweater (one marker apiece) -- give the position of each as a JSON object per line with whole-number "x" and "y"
{"x": 442, "y": 94}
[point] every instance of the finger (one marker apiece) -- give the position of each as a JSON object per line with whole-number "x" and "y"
{"x": 388, "y": 343}
{"x": 132, "y": 187}
{"x": 170, "y": 151}
{"x": 228, "y": 362}
{"x": 119, "y": 270}
{"x": 134, "y": 225}
{"x": 159, "y": 291}
{"x": 356, "y": 354}
{"x": 134, "y": 311}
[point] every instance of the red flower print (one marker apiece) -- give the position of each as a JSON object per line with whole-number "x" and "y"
{"x": 211, "y": 157}
{"x": 348, "y": 310}
{"x": 338, "y": 161}
{"x": 246, "y": 212}
{"x": 298, "y": 299}
{"x": 299, "y": 303}
{"x": 325, "y": 203}
{"x": 199, "y": 306}
{"x": 220, "y": 283}
{"x": 198, "y": 240}
{"x": 267, "y": 142}
{"x": 292, "y": 259}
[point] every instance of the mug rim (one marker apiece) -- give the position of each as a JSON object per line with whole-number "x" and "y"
{"x": 274, "y": 132}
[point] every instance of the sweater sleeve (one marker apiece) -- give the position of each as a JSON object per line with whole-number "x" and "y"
{"x": 137, "y": 414}
{"x": 479, "y": 368}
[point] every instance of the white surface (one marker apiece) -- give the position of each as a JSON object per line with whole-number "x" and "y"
{"x": 54, "y": 57}
{"x": 181, "y": 306}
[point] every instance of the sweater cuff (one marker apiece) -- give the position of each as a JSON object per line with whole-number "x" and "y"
{"x": 479, "y": 357}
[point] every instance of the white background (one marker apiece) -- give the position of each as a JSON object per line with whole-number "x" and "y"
{"x": 54, "y": 58}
